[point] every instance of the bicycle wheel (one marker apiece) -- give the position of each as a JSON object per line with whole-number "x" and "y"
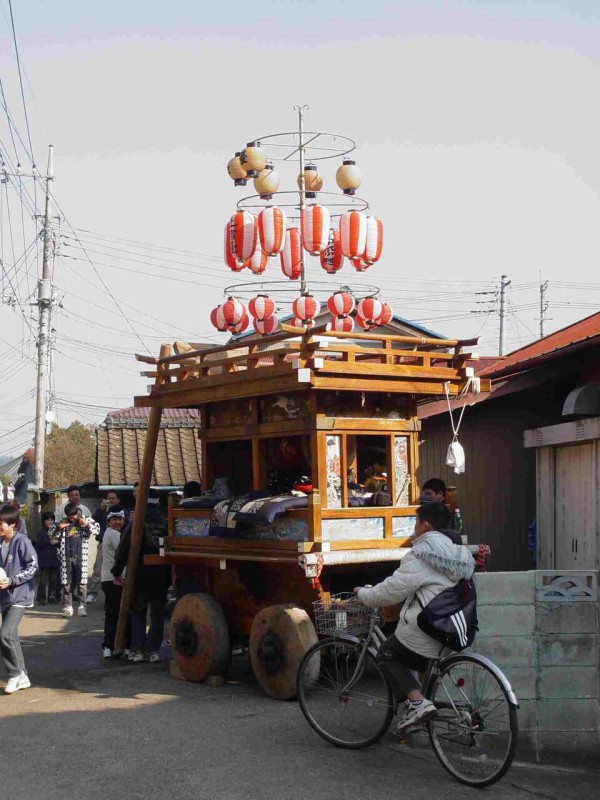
{"x": 347, "y": 705}
{"x": 475, "y": 732}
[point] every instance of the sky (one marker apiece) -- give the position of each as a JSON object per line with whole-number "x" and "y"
{"x": 477, "y": 127}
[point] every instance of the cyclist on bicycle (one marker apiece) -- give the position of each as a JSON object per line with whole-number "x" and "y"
{"x": 434, "y": 564}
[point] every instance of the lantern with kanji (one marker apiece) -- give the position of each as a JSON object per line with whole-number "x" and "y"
{"x": 353, "y": 233}
{"x": 244, "y": 234}
{"x": 217, "y": 318}
{"x": 266, "y": 326}
{"x": 342, "y": 324}
{"x": 369, "y": 309}
{"x": 315, "y": 221}
{"x": 306, "y": 307}
{"x": 257, "y": 262}
{"x": 348, "y": 177}
{"x": 386, "y": 314}
{"x": 313, "y": 182}
{"x": 253, "y": 159}
{"x": 291, "y": 255}
{"x": 230, "y": 257}
{"x": 271, "y": 230}
{"x": 236, "y": 172}
{"x": 332, "y": 258}
{"x": 267, "y": 182}
{"x": 233, "y": 311}
{"x": 340, "y": 304}
{"x": 261, "y": 307}
{"x": 373, "y": 241}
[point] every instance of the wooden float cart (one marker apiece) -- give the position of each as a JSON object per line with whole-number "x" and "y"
{"x": 329, "y": 404}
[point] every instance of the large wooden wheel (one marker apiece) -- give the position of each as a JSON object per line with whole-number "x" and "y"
{"x": 199, "y": 637}
{"x": 279, "y": 638}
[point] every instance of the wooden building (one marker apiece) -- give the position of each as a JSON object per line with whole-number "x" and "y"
{"x": 544, "y": 384}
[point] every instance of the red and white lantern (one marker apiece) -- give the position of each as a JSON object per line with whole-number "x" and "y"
{"x": 244, "y": 227}
{"x": 233, "y": 311}
{"x": 306, "y": 307}
{"x": 370, "y": 309}
{"x": 257, "y": 262}
{"x": 374, "y": 241}
{"x": 301, "y": 323}
{"x": 271, "y": 230}
{"x": 217, "y": 318}
{"x": 261, "y": 307}
{"x": 266, "y": 326}
{"x": 353, "y": 233}
{"x": 340, "y": 304}
{"x": 230, "y": 257}
{"x": 342, "y": 324}
{"x": 291, "y": 255}
{"x": 360, "y": 265}
{"x": 362, "y": 323}
{"x": 315, "y": 221}
{"x": 332, "y": 258}
{"x": 386, "y": 314}
{"x": 241, "y": 326}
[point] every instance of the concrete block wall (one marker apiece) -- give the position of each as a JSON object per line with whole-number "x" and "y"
{"x": 550, "y": 653}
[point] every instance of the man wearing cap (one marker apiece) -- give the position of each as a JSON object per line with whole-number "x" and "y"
{"x": 115, "y": 522}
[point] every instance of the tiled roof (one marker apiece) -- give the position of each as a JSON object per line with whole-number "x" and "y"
{"x": 580, "y": 334}
{"x": 138, "y": 418}
{"x": 120, "y": 451}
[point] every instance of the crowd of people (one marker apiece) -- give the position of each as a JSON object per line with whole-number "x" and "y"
{"x": 54, "y": 569}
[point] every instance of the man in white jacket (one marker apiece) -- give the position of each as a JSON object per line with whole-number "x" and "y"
{"x": 434, "y": 564}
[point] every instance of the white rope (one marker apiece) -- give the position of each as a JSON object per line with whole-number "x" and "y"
{"x": 456, "y": 428}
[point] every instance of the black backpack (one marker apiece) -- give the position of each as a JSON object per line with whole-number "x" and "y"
{"x": 451, "y": 617}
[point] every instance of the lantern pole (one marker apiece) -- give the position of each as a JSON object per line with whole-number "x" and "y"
{"x": 301, "y": 110}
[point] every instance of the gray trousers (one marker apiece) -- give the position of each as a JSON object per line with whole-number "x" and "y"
{"x": 10, "y": 646}
{"x": 94, "y": 582}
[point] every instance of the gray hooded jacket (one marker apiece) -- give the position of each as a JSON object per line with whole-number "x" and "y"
{"x": 433, "y": 564}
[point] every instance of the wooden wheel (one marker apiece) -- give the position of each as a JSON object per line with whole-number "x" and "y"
{"x": 279, "y": 638}
{"x": 199, "y": 637}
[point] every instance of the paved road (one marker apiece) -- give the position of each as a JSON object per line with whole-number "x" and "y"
{"x": 95, "y": 730}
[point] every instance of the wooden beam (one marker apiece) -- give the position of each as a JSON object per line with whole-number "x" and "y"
{"x": 137, "y": 529}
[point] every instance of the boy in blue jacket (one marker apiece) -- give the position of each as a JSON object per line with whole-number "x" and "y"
{"x": 18, "y": 563}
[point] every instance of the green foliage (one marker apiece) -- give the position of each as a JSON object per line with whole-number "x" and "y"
{"x": 70, "y": 455}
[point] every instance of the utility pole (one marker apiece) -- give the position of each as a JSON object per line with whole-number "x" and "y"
{"x": 44, "y": 303}
{"x": 543, "y": 306}
{"x": 504, "y": 284}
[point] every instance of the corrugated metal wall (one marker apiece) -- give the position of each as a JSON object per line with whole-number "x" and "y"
{"x": 497, "y": 492}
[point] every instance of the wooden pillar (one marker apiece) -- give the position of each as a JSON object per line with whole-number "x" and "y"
{"x": 139, "y": 517}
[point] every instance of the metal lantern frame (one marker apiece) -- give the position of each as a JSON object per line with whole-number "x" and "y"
{"x": 303, "y": 147}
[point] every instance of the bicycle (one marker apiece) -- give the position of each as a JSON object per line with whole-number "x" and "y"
{"x": 347, "y": 700}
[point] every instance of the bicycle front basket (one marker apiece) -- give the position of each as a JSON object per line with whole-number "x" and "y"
{"x": 342, "y": 615}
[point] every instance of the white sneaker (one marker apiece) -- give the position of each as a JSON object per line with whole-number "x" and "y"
{"x": 17, "y": 682}
{"x": 82, "y": 611}
{"x": 137, "y": 658}
{"x": 417, "y": 715}
{"x": 106, "y": 652}
{"x": 153, "y": 658}
{"x": 67, "y": 611}
{"x": 90, "y": 598}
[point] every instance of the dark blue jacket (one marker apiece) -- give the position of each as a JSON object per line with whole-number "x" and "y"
{"x": 47, "y": 553}
{"x": 20, "y": 565}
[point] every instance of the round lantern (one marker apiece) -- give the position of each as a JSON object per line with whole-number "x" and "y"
{"x": 236, "y": 172}
{"x": 374, "y": 241}
{"x": 360, "y": 265}
{"x": 266, "y": 326}
{"x": 348, "y": 177}
{"x": 267, "y": 182}
{"x": 271, "y": 230}
{"x": 244, "y": 229}
{"x": 370, "y": 309}
{"x": 340, "y": 304}
{"x": 257, "y": 262}
{"x": 315, "y": 221}
{"x": 313, "y": 182}
{"x": 291, "y": 255}
{"x": 230, "y": 257}
{"x": 353, "y": 233}
{"x": 261, "y": 307}
{"x": 241, "y": 326}
{"x": 253, "y": 159}
{"x": 302, "y": 323}
{"x": 362, "y": 323}
{"x": 332, "y": 258}
{"x": 342, "y": 324}
{"x": 217, "y": 318}
{"x": 233, "y": 311}
{"x": 306, "y": 307}
{"x": 386, "y": 314}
